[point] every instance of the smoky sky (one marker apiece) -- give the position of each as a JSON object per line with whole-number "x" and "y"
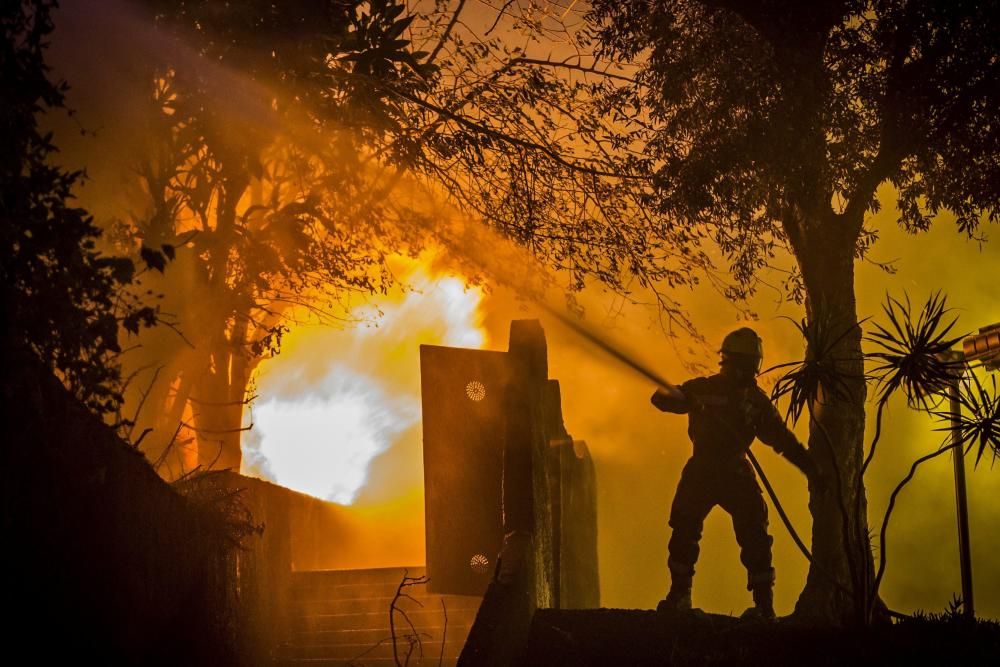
{"x": 638, "y": 451}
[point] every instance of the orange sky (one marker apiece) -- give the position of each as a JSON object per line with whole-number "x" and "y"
{"x": 639, "y": 451}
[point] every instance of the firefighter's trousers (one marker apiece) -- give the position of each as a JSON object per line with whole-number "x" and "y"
{"x": 733, "y": 486}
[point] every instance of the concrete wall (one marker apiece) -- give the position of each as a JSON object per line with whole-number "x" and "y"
{"x": 549, "y": 495}
{"x": 579, "y": 581}
{"x": 102, "y": 561}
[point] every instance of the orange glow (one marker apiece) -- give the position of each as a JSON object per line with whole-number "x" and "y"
{"x": 335, "y": 399}
{"x": 322, "y": 444}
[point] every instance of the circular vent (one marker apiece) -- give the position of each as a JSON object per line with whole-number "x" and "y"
{"x": 475, "y": 390}
{"x": 479, "y": 564}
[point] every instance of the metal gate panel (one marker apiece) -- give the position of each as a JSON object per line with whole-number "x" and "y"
{"x": 463, "y": 427}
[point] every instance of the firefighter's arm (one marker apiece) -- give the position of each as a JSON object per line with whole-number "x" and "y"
{"x": 675, "y": 401}
{"x": 773, "y": 431}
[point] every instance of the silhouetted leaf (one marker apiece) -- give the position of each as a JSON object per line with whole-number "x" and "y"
{"x": 976, "y": 424}
{"x": 913, "y": 352}
{"x": 154, "y": 259}
{"x": 819, "y": 375}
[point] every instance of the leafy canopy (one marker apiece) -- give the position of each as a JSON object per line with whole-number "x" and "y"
{"x": 771, "y": 117}
{"x": 62, "y": 298}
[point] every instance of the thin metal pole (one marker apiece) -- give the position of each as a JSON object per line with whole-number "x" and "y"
{"x": 961, "y": 504}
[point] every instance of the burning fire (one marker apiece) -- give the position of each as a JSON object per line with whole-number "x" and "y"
{"x": 323, "y": 443}
{"x": 335, "y": 399}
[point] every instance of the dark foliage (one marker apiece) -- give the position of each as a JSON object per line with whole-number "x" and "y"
{"x": 976, "y": 424}
{"x": 770, "y": 113}
{"x": 914, "y": 354}
{"x": 348, "y": 60}
{"x": 818, "y": 377}
{"x": 213, "y": 493}
{"x": 62, "y": 297}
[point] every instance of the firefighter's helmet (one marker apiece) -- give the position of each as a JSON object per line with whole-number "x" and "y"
{"x": 744, "y": 345}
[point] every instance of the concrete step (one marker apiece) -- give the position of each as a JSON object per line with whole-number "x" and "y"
{"x": 383, "y": 575}
{"x": 369, "y": 636}
{"x": 339, "y": 584}
{"x": 341, "y": 617}
{"x": 362, "y": 590}
{"x": 415, "y": 661}
{"x": 419, "y": 618}
{"x": 380, "y": 603}
{"x": 382, "y": 649}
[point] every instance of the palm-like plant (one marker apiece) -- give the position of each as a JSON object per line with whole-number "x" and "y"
{"x": 915, "y": 356}
{"x": 976, "y": 424}
{"x": 819, "y": 376}
{"x": 912, "y": 356}
{"x": 914, "y": 353}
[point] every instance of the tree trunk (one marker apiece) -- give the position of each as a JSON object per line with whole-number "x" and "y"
{"x": 218, "y": 399}
{"x": 218, "y": 403}
{"x": 842, "y": 566}
{"x": 164, "y": 450}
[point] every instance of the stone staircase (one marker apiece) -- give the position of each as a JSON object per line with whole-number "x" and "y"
{"x": 341, "y": 618}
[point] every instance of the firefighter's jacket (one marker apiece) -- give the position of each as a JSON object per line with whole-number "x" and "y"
{"x": 724, "y": 417}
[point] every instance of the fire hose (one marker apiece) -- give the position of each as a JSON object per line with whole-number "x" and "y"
{"x": 672, "y": 389}
{"x": 574, "y": 325}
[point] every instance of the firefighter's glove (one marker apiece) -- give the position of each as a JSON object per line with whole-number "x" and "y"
{"x": 803, "y": 460}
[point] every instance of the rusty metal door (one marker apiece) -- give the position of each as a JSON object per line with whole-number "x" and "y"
{"x": 463, "y": 426}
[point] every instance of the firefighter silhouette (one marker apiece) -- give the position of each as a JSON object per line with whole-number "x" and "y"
{"x": 726, "y": 411}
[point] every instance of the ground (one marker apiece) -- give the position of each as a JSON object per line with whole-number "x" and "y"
{"x": 635, "y": 637}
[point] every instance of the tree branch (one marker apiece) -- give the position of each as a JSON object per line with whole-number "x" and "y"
{"x": 570, "y": 163}
{"x": 500, "y": 15}
{"x": 447, "y": 32}
{"x": 567, "y": 65}
{"x": 883, "y": 532}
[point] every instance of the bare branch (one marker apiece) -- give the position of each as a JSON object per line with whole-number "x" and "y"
{"x": 447, "y": 32}
{"x": 577, "y": 67}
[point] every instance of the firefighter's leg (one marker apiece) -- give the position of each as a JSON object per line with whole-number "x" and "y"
{"x": 692, "y": 503}
{"x": 745, "y": 502}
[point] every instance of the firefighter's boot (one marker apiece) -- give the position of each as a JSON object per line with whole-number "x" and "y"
{"x": 761, "y": 585}
{"x": 679, "y": 597}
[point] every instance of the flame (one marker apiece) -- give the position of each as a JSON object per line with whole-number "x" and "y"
{"x": 323, "y": 444}
{"x": 335, "y": 399}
